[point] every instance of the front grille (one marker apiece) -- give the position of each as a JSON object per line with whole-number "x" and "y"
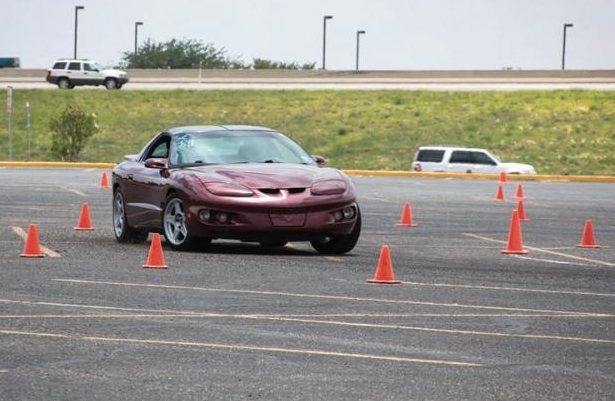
{"x": 278, "y": 191}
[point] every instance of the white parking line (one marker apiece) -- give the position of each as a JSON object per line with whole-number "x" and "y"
{"x": 240, "y": 347}
{"x": 564, "y": 255}
{"x": 52, "y": 254}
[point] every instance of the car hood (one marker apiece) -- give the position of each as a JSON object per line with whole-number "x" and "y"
{"x": 112, "y": 71}
{"x": 265, "y": 176}
{"x": 518, "y": 168}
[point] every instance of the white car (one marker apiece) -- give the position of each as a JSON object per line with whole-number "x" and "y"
{"x": 68, "y": 73}
{"x": 464, "y": 160}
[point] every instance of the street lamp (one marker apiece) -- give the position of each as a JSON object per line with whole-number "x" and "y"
{"x": 564, "y": 47}
{"x": 358, "y": 34}
{"x": 136, "y": 34}
{"x": 324, "y": 37}
{"x": 77, "y": 8}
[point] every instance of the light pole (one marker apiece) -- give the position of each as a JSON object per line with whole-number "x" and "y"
{"x": 564, "y": 46}
{"x": 358, "y": 34}
{"x": 136, "y": 34}
{"x": 77, "y": 8}
{"x": 324, "y": 38}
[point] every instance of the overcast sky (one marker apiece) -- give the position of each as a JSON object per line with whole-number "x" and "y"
{"x": 400, "y": 34}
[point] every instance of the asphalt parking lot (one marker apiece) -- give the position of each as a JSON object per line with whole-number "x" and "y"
{"x": 87, "y": 321}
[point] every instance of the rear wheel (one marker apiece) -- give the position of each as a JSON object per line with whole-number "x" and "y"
{"x": 339, "y": 244}
{"x": 174, "y": 224}
{"x": 64, "y": 83}
{"x": 123, "y": 232}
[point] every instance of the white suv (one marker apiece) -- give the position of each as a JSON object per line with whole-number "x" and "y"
{"x": 68, "y": 73}
{"x": 464, "y": 160}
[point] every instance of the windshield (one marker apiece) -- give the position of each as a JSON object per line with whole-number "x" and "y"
{"x": 230, "y": 147}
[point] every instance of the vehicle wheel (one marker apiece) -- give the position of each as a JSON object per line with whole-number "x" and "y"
{"x": 64, "y": 83}
{"x": 123, "y": 232}
{"x": 339, "y": 244}
{"x": 111, "y": 83}
{"x": 174, "y": 225}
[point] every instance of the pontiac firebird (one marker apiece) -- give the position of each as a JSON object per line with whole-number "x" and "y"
{"x": 201, "y": 183}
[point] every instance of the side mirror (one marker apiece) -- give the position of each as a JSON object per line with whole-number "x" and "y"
{"x": 320, "y": 161}
{"x": 157, "y": 163}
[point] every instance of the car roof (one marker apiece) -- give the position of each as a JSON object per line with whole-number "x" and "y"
{"x": 438, "y": 147}
{"x": 211, "y": 128}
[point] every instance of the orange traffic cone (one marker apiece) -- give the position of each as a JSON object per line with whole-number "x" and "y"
{"x": 384, "y": 270}
{"x": 499, "y": 195}
{"x": 587, "y": 239}
{"x": 515, "y": 241}
{"x": 406, "y": 217}
{"x": 155, "y": 257}
{"x": 521, "y": 210}
{"x": 85, "y": 222}
{"x": 104, "y": 183}
{"x": 519, "y": 194}
{"x": 503, "y": 178}
{"x": 32, "y": 248}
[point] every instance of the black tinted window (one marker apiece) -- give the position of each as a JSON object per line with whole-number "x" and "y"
{"x": 74, "y": 66}
{"x": 59, "y": 65}
{"x": 482, "y": 158}
{"x": 430, "y": 155}
{"x": 461, "y": 156}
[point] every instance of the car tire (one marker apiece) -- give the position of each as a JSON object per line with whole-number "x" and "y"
{"x": 339, "y": 244}
{"x": 124, "y": 233}
{"x": 174, "y": 225}
{"x": 111, "y": 83}
{"x": 65, "y": 83}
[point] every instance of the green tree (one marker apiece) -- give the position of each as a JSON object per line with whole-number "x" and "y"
{"x": 262, "y": 64}
{"x": 71, "y": 129}
{"x": 187, "y": 53}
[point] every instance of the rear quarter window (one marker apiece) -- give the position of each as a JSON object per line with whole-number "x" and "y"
{"x": 430, "y": 155}
{"x": 59, "y": 65}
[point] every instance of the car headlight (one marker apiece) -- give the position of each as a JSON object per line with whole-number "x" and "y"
{"x": 329, "y": 187}
{"x": 228, "y": 189}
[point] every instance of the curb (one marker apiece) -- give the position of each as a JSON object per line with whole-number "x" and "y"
{"x": 360, "y": 173}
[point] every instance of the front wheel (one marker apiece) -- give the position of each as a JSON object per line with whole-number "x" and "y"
{"x": 339, "y": 244}
{"x": 111, "y": 83}
{"x": 123, "y": 232}
{"x": 174, "y": 224}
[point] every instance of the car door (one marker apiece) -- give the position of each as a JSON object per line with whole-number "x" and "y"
{"x": 75, "y": 72}
{"x": 145, "y": 189}
{"x": 460, "y": 162}
{"x": 91, "y": 74}
{"x": 483, "y": 163}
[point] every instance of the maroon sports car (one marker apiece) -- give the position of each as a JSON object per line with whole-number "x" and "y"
{"x": 200, "y": 183}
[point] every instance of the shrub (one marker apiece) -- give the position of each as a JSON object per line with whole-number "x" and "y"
{"x": 71, "y": 129}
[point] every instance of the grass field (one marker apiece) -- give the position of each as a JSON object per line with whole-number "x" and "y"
{"x": 559, "y": 132}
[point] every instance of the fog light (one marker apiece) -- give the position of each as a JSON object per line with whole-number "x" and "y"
{"x": 205, "y": 215}
{"x": 222, "y": 217}
{"x": 349, "y": 212}
{"x": 338, "y": 215}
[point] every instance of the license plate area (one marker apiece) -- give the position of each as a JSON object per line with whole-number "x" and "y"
{"x": 287, "y": 218}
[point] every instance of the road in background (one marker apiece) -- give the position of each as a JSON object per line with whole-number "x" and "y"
{"x": 340, "y": 80}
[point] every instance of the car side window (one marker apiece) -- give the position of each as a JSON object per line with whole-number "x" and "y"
{"x": 160, "y": 150}
{"x": 461, "y": 156}
{"x": 430, "y": 155}
{"x": 59, "y": 65}
{"x": 89, "y": 67}
{"x": 74, "y": 66}
{"x": 482, "y": 158}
